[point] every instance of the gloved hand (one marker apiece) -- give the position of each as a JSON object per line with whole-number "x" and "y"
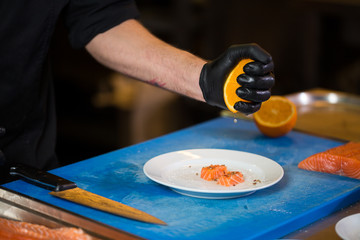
{"x": 255, "y": 83}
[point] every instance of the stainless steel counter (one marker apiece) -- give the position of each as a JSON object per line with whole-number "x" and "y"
{"x": 328, "y": 114}
{"x": 16, "y": 206}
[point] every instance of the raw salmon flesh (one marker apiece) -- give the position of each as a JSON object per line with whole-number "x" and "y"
{"x": 15, "y": 230}
{"x": 221, "y": 175}
{"x": 213, "y": 172}
{"x": 343, "y": 160}
{"x": 231, "y": 179}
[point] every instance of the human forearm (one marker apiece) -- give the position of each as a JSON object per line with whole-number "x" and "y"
{"x": 130, "y": 49}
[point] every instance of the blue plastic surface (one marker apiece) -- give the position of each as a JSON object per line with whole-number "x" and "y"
{"x": 300, "y": 198}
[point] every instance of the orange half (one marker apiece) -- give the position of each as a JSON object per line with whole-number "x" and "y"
{"x": 231, "y": 85}
{"x": 276, "y": 117}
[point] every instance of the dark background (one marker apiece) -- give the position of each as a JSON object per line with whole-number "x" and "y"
{"x": 314, "y": 43}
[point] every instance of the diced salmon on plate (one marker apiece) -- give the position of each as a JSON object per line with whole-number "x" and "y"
{"x": 213, "y": 172}
{"x": 343, "y": 160}
{"x": 221, "y": 175}
{"x": 231, "y": 179}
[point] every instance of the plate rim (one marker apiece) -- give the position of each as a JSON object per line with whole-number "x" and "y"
{"x": 218, "y": 192}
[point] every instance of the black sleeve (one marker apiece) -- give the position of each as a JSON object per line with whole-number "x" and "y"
{"x": 87, "y": 18}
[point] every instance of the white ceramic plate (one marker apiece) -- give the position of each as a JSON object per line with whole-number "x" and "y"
{"x": 181, "y": 170}
{"x": 348, "y": 228}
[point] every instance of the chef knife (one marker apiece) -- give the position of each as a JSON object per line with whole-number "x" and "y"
{"x": 68, "y": 190}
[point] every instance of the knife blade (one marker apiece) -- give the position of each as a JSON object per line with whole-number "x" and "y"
{"x": 68, "y": 190}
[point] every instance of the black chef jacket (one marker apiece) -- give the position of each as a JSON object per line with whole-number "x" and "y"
{"x": 27, "y": 114}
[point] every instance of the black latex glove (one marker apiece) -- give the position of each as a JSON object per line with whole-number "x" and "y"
{"x": 255, "y": 83}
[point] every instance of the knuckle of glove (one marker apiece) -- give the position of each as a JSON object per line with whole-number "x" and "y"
{"x": 246, "y": 80}
{"x": 258, "y": 82}
{"x": 258, "y": 68}
{"x": 251, "y": 50}
{"x": 253, "y": 95}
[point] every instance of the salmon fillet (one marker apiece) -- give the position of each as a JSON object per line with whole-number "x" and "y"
{"x": 343, "y": 160}
{"x": 213, "y": 172}
{"x": 15, "y": 230}
{"x": 231, "y": 179}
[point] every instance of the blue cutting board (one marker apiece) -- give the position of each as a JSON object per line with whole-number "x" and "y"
{"x": 300, "y": 198}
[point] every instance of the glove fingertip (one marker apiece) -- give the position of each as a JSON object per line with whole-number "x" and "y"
{"x": 247, "y": 107}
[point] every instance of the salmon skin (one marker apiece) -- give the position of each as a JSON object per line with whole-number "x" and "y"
{"x": 221, "y": 175}
{"x": 343, "y": 160}
{"x": 15, "y": 230}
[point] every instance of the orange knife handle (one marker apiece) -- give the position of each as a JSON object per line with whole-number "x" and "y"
{"x": 41, "y": 178}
